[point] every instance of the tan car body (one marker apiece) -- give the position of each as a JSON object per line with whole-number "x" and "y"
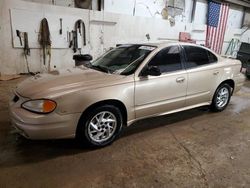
{"x": 78, "y": 89}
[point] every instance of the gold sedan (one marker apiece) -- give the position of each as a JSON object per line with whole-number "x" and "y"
{"x": 94, "y": 101}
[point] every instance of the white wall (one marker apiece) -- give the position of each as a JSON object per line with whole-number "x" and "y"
{"x": 200, "y": 17}
{"x": 12, "y": 59}
{"x": 100, "y": 36}
{"x": 145, "y": 8}
{"x": 235, "y": 16}
{"x": 246, "y": 37}
{"x": 119, "y": 6}
{"x": 66, "y": 3}
{"x": 188, "y": 11}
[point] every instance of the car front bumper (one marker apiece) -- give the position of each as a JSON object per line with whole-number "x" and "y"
{"x": 42, "y": 126}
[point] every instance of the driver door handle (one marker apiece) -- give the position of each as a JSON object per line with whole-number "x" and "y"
{"x": 180, "y": 79}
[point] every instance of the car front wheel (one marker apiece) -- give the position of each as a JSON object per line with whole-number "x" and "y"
{"x": 100, "y": 126}
{"x": 221, "y": 98}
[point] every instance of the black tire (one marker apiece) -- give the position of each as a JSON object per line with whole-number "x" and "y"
{"x": 83, "y": 134}
{"x": 248, "y": 75}
{"x": 214, "y": 106}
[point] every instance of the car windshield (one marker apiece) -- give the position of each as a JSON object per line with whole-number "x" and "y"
{"x": 122, "y": 60}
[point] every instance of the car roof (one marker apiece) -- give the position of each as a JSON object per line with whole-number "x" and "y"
{"x": 164, "y": 43}
{"x": 168, "y": 43}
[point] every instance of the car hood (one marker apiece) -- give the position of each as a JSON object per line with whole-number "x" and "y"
{"x": 66, "y": 81}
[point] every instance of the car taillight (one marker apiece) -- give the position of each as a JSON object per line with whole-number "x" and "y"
{"x": 243, "y": 70}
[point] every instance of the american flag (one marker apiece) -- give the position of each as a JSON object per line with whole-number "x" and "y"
{"x": 216, "y": 25}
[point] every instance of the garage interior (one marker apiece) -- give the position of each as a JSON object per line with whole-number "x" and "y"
{"x": 193, "y": 148}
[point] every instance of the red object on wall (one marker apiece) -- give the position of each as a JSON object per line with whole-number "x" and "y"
{"x": 185, "y": 37}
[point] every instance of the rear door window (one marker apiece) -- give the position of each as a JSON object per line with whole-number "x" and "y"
{"x": 197, "y": 56}
{"x": 211, "y": 57}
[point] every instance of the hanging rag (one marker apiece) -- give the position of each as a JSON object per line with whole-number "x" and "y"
{"x": 44, "y": 40}
{"x": 26, "y": 44}
{"x": 79, "y": 28}
{"x": 26, "y": 50}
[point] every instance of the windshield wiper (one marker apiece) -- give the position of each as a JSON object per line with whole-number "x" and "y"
{"x": 101, "y": 68}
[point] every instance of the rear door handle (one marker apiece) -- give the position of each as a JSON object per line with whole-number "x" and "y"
{"x": 216, "y": 73}
{"x": 180, "y": 79}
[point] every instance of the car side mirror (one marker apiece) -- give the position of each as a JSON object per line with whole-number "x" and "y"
{"x": 82, "y": 59}
{"x": 151, "y": 71}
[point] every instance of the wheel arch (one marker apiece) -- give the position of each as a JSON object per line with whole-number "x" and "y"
{"x": 114, "y": 102}
{"x": 230, "y": 82}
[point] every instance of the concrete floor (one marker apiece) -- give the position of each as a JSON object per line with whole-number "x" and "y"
{"x": 195, "y": 148}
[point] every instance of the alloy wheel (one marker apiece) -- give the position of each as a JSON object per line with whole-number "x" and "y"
{"x": 102, "y": 126}
{"x": 222, "y": 97}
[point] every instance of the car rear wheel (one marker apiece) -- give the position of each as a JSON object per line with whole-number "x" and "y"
{"x": 221, "y": 98}
{"x": 101, "y": 126}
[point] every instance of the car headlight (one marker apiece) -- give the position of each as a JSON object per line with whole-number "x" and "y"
{"x": 43, "y": 106}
